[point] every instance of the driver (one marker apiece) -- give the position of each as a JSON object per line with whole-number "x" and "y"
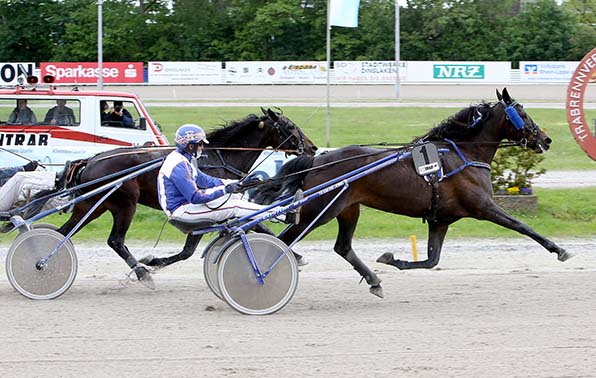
{"x": 191, "y": 196}
{"x": 15, "y": 180}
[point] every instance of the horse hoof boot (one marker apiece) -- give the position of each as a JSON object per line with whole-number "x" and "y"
{"x": 564, "y": 255}
{"x": 385, "y": 258}
{"x": 377, "y": 290}
{"x": 147, "y": 260}
{"x": 144, "y": 276}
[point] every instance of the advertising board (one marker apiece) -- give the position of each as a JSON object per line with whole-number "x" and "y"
{"x": 87, "y": 72}
{"x": 185, "y": 72}
{"x": 546, "y": 72}
{"x": 368, "y": 72}
{"x": 458, "y": 71}
{"x": 289, "y": 72}
{"x": 10, "y": 71}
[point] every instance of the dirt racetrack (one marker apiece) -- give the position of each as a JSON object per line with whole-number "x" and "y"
{"x": 496, "y": 308}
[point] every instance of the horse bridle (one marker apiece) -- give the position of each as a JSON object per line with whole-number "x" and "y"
{"x": 519, "y": 124}
{"x": 283, "y": 129}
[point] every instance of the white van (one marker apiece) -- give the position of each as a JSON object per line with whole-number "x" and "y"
{"x": 37, "y": 124}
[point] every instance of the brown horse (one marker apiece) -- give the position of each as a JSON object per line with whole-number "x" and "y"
{"x": 232, "y": 151}
{"x": 463, "y": 189}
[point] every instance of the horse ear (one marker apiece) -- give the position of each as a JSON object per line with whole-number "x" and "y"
{"x": 506, "y": 96}
{"x": 273, "y": 115}
{"x": 499, "y": 96}
{"x": 263, "y": 110}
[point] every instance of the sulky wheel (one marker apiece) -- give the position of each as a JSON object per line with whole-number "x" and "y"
{"x": 238, "y": 282}
{"x": 211, "y": 253}
{"x": 48, "y": 226}
{"x": 35, "y": 278}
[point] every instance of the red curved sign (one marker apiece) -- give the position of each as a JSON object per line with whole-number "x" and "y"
{"x": 574, "y": 104}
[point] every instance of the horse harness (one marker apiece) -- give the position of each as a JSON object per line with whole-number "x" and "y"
{"x": 434, "y": 179}
{"x": 285, "y": 133}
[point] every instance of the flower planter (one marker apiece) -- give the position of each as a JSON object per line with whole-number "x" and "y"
{"x": 524, "y": 203}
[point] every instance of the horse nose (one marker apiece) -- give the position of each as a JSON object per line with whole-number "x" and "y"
{"x": 548, "y": 141}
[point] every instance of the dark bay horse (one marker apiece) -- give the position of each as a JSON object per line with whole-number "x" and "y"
{"x": 244, "y": 139}
{"x": 462, "y": 190}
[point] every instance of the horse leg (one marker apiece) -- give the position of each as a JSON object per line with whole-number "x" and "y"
{"x": 436, "y": 236}
{"x": 347, "y": 221}
{"x": 122, "y": 217}
{"x": 78, "y": 213}
{"x": 497, "y": 215}
{"x": 190, "y": 246}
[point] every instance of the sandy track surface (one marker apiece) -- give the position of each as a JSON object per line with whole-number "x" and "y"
{"x": 502, "y": 308}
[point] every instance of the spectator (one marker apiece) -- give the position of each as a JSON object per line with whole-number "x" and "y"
{"x": 22, "y": 114}
{"x": 104, "y": 109}
{"x": 60, "y": 114}
{"x": 121, "y": 115}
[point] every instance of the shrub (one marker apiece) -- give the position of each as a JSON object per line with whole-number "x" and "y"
{"x": 513, "y": 170}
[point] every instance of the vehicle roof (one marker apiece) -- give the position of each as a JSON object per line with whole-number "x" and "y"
{"x": 65, "y": 93}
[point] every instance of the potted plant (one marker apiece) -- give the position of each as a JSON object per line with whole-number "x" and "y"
{"x": 513, "y": 170}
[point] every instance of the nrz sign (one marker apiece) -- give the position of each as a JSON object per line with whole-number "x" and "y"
{"x": 458, "y": 71}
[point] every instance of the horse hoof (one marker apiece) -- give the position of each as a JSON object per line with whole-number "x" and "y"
{"x": 377, "y": 290}
{"x": 301, "y": 261}
{"x": 144, "y": 277}
{"x": 385, "y": 258}
{"x": 147, "y": 260}
{"x": 564, "y": 256}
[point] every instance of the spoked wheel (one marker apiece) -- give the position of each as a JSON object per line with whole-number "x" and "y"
{"x": 212, "y": 251}
{"x": 238, "y": 282}
{"x": 30, "y": 274}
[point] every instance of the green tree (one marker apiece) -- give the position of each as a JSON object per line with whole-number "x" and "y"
{"x": 584, "y": 37}
{"x": 280, "y": 30}
{"x": 128, "y": 31}
{"x": 583, "y": 10}
{"x": 30, "y": 29}
{"x": 454, "y": 30}
{"x": 545, "y": 35}
{"x": 373, "y": 39}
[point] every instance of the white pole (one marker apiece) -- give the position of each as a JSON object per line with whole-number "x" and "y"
{"x": 397, "y": 48}
{"x": 99, "y": 46}
{"x": 328, "y": 128}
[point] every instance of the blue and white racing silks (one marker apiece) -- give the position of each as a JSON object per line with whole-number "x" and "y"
{"x": 180, "y": 183}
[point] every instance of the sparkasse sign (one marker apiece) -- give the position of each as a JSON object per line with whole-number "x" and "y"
{"x": 87, "y": 72}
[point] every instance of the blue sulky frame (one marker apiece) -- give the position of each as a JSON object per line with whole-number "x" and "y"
{"x": 130, "y": 173}
{"x": 240, "y": 226}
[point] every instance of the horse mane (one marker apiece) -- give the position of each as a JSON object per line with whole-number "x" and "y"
{"x": 230, "y": 130}
{"x": 459, "y": 126}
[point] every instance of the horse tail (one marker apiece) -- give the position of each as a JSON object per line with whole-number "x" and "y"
{"x": 285, "y": 183}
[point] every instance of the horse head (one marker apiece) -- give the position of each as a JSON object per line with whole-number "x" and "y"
{"x": 288, "y": 136}
{"x": 520, "y": 126}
